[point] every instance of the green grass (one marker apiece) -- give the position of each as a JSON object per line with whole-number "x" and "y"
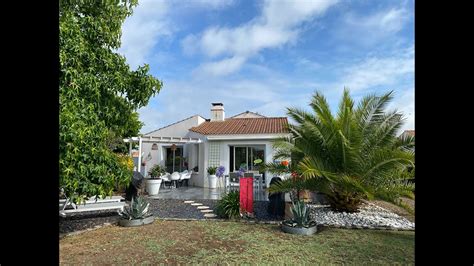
{"x": 235, "y": 243}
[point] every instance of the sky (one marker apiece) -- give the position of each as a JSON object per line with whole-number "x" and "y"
{"x": 265, "y": 56}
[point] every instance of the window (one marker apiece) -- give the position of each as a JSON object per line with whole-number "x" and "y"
{"x": 245, "y": 156}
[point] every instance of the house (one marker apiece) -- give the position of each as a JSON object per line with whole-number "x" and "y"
{"x": 410, "y": 133}
{"x": 195, "y": 143}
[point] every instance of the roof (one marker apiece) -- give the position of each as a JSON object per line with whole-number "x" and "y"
{"x": 409, "y": 133}
{"x": 246, "y": 114}
{"x": 173, "y": 124}
{"x": 267, "y": 125}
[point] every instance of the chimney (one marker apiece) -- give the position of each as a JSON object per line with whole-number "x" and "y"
{"x": 217, "y": 112}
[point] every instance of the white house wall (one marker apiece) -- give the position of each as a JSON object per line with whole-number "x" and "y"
{"x": 199, "y": 179}
{"x": 179, "y": 129}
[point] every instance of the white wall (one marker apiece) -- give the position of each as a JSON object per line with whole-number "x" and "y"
{"x": 179, "y": 129}
{"x": 199, "y": 179}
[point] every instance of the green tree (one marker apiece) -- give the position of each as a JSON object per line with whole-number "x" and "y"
{"x": 98, "y": 94}
{"x": 347, "y": 157}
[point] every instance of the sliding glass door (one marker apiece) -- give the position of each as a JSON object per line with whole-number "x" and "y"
{"x": 247, "y": 157}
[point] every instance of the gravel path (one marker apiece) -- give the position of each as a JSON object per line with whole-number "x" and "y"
{"x": 161, "y": 208}
{"x": 175, "y": 208}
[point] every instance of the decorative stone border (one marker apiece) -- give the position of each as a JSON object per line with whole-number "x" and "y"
{"x": 370, "y": 217}
{"x": 61, "y": 236}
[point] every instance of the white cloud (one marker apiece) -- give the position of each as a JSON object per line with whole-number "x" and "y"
{"x": 142, "y": 31}
{"x": 404, "y": 101}
{"x": 370, "y": 30}
{"x": 212, "y": 4}
{"x": 223, "y": 67}
{"x": 181, "y": 99}
{"x": 275, "y": 27}
{"x": 307, "y": 64}
{"x": 376, "y": 71}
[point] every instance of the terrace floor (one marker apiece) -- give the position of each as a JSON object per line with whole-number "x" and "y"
{"x": 192, "y": 193}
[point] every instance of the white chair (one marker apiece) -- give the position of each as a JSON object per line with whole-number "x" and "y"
{"x": 234, "y": 180}
{"x": 185, "y": 177}
{"x": 166, "y": 179}
{"x": 175, "y": 178}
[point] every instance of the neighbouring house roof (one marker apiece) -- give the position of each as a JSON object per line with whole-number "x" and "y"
{"x": 173, "y": 124}
{"x": 266, "y": 125}
{"x": 247, "y": 114}
{"x": 408, "y": 132}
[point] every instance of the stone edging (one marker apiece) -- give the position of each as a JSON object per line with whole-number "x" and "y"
{"x": 61, "y": 236}
{"x": 388, "y": 228}
{"x": 279, "y": 222}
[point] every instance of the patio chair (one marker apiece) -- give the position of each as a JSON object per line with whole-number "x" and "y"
{"x": 166, "y": 180}
{"x": 185, "y": 178}
{"x": 175, "y": 178}
{"x": 234, "y": 180}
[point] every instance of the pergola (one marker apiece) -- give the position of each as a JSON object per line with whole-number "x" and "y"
{"x": 151, "y": 139}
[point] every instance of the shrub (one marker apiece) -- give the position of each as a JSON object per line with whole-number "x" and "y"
{"x": 229, "y": 206}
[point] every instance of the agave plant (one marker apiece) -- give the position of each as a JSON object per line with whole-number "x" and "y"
{"x": 301, "y": 214}
{"x": 138, "y": 209}
{"x": 350, "y": 156}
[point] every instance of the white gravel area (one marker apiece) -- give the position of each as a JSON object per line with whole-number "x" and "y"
{"x": 369, "y": 216}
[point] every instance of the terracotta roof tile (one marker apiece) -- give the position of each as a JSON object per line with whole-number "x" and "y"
{"x": 409, "y": 133}
{"x": 267, "y": 125}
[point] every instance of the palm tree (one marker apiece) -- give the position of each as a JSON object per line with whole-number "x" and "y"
{"x": 347, "y": 157}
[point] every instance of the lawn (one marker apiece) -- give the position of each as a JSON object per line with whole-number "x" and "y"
{"x": 209, "y": 242}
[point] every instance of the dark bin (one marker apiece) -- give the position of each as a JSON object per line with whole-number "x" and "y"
{"x": 136, "y": 184}
{"x": 276, "y": 206}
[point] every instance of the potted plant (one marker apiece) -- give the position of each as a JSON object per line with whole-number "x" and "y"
{"x": 301, "y": 224}
{"x": 137, "y": 213}
{"x": 154, "y": 182}
{"x": 211, "y": 170}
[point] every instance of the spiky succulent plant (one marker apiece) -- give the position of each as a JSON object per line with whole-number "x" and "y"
{"x": 138, "y": 209}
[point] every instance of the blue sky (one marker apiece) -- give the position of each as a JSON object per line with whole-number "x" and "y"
{"x": 264, "y": 56}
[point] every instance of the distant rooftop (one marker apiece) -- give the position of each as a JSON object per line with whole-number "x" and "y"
{"x": 409, "y": 133}
{"x": 247, "y": 114}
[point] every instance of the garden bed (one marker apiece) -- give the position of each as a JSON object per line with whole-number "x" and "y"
{"x": 161, "y": 208}
{"x": 370, "y": 216}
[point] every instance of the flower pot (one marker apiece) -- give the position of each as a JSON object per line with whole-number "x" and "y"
{"x": 299, "y": 230}
{"x": 212, "y": 181}
{"x": 288, "y": 212}
{"x": 153, "y": 186}
{"x": 137, "y": 222}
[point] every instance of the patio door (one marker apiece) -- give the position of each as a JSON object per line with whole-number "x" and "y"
{"x": 175, "y": 165}
{"x": 247, "y": 157}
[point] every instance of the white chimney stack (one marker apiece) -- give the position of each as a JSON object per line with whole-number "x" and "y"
{"x": 217, "y": 112}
